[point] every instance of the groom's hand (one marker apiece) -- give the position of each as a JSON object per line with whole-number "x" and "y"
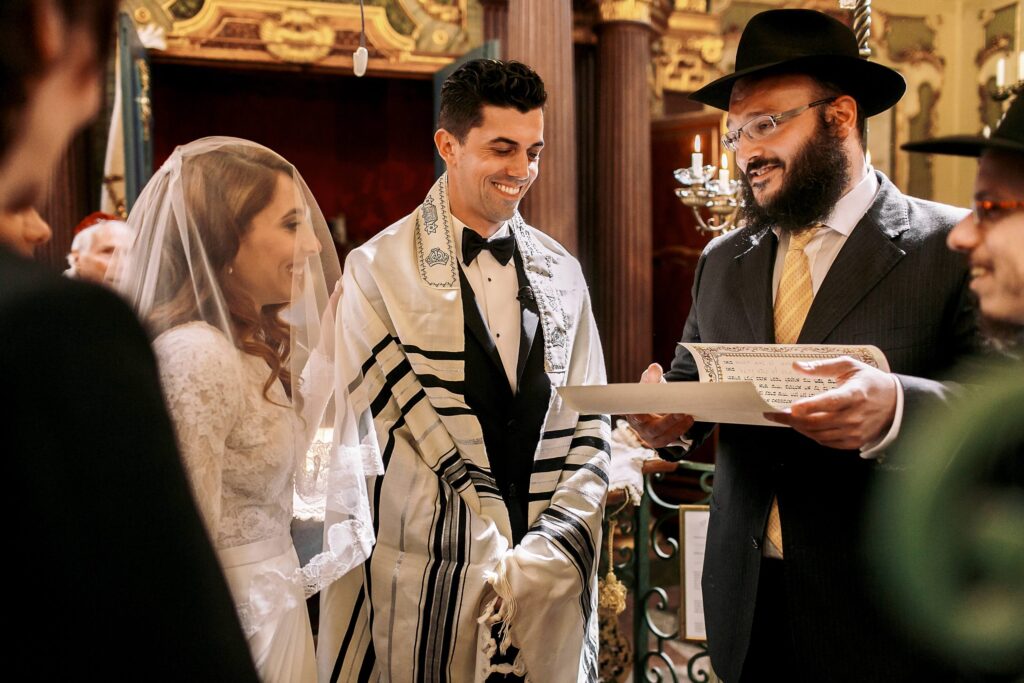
{"x": 658, "y": 431}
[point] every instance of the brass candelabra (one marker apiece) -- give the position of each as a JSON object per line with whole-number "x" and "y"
{"x": 712, "y": 191}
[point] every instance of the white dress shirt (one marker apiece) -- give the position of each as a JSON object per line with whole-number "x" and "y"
{"x": 821, "y": 253}
{"x": 496, "y": 288}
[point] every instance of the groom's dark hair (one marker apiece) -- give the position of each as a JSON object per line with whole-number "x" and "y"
{"x": 20, "y": 58}
{"x": 487, "y": 81}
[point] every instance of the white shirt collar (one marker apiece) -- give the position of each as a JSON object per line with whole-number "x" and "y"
{"x": 852, "y": 206}
{"x": 503, "y": 231}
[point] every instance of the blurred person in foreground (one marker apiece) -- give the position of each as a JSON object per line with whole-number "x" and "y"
{"x": 112, "y": 572}
{"x": 954, "y": 579}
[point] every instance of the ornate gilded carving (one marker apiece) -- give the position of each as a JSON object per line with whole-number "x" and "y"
{"x": 448, "y": 11}
{"x": 323, "y": 33}
{"x": 625, "y": 10}
{"x": 683, "y": 64}
{"x": 686, "y": 57}
{"x": 143, "y": 100}
{"x": 690, "y": 5}
{"x": 297, "y": 36}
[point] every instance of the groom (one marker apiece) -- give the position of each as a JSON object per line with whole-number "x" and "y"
{"x": 459, "y": 322}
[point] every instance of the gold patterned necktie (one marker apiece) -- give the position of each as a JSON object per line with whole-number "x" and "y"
{"x": 791, "y": 305}
{"x": 795, "y": 291}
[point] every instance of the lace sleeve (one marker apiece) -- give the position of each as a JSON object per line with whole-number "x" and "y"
{"x": 201, "y": 373}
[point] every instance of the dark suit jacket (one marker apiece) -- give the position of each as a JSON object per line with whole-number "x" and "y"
{"x": 894, "y": 285}
{"x": 511, "y": 423}
{"x": 110, "y": 572}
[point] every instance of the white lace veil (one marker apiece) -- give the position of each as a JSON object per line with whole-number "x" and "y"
{"x": 228, "y": 234}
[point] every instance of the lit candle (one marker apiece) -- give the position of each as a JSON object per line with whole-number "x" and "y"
{"x": 1001, "y": 72}
{"x": 723, "y": 170}
{"x": 697, "y": 159}
{"x": 986, "y": 132}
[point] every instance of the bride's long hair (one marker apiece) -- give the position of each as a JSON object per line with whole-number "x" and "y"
{"x": 223, "y": 190}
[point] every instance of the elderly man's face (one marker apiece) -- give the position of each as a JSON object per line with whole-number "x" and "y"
{"x": 93, "y": 261}
{"x": 994, "y": 242}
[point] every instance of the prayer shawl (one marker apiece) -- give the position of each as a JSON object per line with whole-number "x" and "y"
{"x": 423, "y": 607}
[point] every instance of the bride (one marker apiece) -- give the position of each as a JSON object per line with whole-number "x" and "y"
{"x": 231, "y": 269}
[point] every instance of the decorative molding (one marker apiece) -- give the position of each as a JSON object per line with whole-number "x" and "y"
{"x": 297, "y": 36}
{"x": 449, "y": 13}
{"x": 624, "y": 10}
{"x": 312, "y": 33}
{"x": 996, "y": 40}
{"x": 690, "y": 5}
{"x": 901, "y": 50}
{"x": 684, "y": 64}
{"x": 686, "y": 57}
{"x": 143, "y": 99}
{"x": 907, "y": 43}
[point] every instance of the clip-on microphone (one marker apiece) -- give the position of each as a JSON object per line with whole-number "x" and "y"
{"x": 360, "y": 56}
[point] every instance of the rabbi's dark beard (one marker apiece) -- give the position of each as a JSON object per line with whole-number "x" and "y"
{"x": 813, "y": 182}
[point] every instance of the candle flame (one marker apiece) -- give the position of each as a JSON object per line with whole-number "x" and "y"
{"x": 725, "y": 161}
{"x": 696, "y": 143}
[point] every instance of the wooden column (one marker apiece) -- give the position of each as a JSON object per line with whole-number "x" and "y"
{"x": 496, "y": 23}
{"x": 540, "y": 35}
{"x": 621, "y": 247}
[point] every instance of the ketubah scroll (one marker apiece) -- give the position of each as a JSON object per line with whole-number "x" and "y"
{"x": 738, "y": 384}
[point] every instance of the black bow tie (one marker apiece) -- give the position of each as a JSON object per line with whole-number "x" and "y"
{"x": 473, "y": 243}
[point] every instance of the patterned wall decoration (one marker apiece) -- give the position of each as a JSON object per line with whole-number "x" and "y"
{"x": 908, "y": 44}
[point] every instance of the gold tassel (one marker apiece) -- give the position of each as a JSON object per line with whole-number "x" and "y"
{"x": 615, "y": 653}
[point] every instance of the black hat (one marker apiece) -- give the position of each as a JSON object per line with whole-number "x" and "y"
{"x": 1009, "y": 135}
{"x": 807, "y": 42}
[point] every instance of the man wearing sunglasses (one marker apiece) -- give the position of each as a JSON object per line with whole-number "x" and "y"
{"x": 832, "y": 253}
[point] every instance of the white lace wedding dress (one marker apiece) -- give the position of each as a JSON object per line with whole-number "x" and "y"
{"x": 239, "y": 449}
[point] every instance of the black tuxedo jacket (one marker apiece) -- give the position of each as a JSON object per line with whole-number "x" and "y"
{"x": 895, "y": 285}
{"x": 511, "y": 423}
{"x": 110, "y": 573}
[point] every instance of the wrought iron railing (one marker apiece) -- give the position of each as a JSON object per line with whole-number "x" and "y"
{"x": 655, "y": 546}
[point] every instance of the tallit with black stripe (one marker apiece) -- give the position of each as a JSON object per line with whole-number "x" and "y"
{"x": 443, "y": 536}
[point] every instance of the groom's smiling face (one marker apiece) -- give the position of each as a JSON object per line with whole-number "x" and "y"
{"x": 492, "y": 169}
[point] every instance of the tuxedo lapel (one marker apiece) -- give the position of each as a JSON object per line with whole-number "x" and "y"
{"x": 755, "y": 266}
{"x": 529, "y": 321}
{"x": 475, "y": 322}
{"x": 868, "y": 255}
